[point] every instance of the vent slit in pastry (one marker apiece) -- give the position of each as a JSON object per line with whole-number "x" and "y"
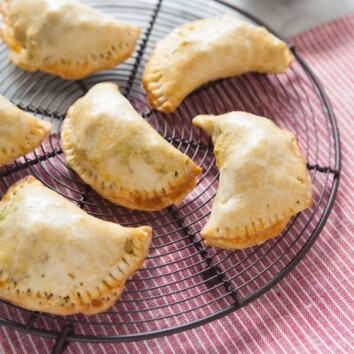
{"x": 209, "y": 49}
{"x": 118, "y": 153}
{"x": 56, "y": 258}
{"x": 20, "y": 132}
{"x": 64, "y": 37}
{"x": 259, "y": 191}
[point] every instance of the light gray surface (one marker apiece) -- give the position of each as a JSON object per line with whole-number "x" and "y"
{"x": 289, "y": 17}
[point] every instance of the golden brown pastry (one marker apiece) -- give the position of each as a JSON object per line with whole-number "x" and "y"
{"x": 56, "y": 258}
{"x": 116, "y": 152}
{"x": 206, "y": 50}
{"x": 20, "y": 132}
{"x": 263, "y": 180}
{"x": 64, "y": 37}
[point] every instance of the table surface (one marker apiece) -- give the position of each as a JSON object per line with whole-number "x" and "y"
{"x": 290, "y": 17}
{"x": 294, "y": 320}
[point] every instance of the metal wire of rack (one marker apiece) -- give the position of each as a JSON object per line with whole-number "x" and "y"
{"x": 183, "y": 283}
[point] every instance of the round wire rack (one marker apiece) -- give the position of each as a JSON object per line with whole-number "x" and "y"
{"x": 183, "y": 283}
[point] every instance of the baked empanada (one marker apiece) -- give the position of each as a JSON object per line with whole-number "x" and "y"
{"x": 206, "y": 50}
{"x": 56, "y": 258}
{"x": 20, "y": 132}
{"x": 64, "y": 37}
{"x": 116, "y": 152}
{"x": 263, "y": 179}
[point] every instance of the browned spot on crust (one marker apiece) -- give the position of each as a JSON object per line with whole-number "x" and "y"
{"x": 96, "y": 303}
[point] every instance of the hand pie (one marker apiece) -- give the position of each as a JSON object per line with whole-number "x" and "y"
{"x": 116, "y": 152}
{"x": 20, "y": 132}
{"x": 56, "y": 258}
{"x": 206, "y": 50}
{"x": 64, "y": 37}
{"x": 263, "y": 180}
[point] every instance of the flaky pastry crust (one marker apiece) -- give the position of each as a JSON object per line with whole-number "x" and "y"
{"x": 263, "y": 179}
{"x": 20, "y": 132}
{"x": 64, "y": 37}
{"x": 56, "y": 258}
{"x": 209, "y": 49}
{"x": 116, "y": 152}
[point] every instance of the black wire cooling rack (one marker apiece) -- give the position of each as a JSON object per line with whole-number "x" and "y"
{"x": 183, "y": 283}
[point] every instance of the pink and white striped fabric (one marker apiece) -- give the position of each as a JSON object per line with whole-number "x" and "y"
{"x": 312, "y": 314}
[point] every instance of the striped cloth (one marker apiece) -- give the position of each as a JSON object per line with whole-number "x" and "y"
{"x": 312, "y": 314}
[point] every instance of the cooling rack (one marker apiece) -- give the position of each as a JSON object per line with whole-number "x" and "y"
{"x": 183, "y": 283}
